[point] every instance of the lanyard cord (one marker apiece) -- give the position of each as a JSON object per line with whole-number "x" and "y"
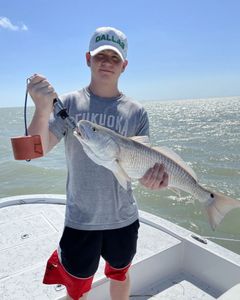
{"x": 25, "y": 107}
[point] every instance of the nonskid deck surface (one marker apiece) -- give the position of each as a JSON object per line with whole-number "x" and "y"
{"x": 29, "y": 233}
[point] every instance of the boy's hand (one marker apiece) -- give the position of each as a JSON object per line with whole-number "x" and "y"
{"x": 155, "y": 178}
{"x": 42, "y": 93}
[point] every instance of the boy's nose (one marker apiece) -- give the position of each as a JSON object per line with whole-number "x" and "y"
{"x": 107, "y": 59}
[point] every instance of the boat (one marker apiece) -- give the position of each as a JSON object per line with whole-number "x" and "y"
{"x": 171, "y": 262}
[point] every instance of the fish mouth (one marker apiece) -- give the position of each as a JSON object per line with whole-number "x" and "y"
{"x": 77, "y": 132}
{"x": 81, "y": 132}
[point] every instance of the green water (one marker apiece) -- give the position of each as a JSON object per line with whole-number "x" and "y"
{"x": 204, "y": 132}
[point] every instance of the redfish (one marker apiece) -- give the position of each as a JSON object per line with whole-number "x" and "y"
{"x": 130, "y": 158}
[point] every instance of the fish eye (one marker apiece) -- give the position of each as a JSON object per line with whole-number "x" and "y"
{"x": 94, "y": 129}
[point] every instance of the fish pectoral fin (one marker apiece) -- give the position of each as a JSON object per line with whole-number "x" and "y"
{"x": 121, "y": 175}
{"x": 175, "y": 157}
{"x": 176, "y": 191}
{"x": 142, "y": 139}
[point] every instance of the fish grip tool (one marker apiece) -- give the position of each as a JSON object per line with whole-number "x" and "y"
{"x": 30, "y": 146}
{"x": 61, "y": 111}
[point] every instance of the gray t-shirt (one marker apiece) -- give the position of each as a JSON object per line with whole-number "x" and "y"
{"x": 95, "y": 200}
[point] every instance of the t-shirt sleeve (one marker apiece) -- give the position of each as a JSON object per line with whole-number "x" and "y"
{"x": 56, "y": 124}
{"x": 143, "y": 126}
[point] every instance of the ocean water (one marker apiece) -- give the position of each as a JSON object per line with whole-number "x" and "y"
{"x": 204, "y": 132}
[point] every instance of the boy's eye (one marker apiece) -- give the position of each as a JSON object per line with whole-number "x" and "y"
{"x": 100, "y": 56}
{"x": 115, "y": 58}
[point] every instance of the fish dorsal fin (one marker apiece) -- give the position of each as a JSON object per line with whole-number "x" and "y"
{"x": 175, "y": 157}
{"x": 120, "y": 174}
{"x": 143, "y": 139}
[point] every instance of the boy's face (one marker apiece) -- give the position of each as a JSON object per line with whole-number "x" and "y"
{"x": 106, "y": 65}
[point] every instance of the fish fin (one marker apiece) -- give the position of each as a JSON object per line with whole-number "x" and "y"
{"x": 175, "y": 190}
{"x": 142, "y": 139}
{"x": 121, "y": 175}
{"x": 219, "y": 205}
{"x": 174, "y": 156}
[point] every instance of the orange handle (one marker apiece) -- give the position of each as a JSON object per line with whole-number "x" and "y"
{"x": 27, "y": 147}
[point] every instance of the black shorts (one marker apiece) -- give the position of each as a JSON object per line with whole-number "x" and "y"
{"x": 81, "y": 249}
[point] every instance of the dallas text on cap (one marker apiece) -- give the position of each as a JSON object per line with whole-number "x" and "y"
{"x": 107, "y": 38}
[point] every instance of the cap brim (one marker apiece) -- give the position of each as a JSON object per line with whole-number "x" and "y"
{"x": 106, "y": 47}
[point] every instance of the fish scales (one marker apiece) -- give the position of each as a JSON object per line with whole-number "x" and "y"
{"x": 137, "y": 162}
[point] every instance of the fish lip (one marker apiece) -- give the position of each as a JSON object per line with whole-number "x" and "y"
{"x": 82, "y": 132}
{"x": 77, "y": 132}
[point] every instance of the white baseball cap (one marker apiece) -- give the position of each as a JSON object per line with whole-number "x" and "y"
{"x": 109, "y": 38}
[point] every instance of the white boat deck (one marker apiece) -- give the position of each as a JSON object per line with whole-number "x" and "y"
{"x": 169, "y": 264}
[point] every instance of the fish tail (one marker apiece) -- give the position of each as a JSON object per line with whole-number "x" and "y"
{"x": 218, "y": 206}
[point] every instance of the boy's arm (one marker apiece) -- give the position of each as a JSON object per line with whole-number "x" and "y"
{"x": 42, "y": 94}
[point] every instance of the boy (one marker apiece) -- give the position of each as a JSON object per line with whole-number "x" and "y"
{"x": 101, "y": 217}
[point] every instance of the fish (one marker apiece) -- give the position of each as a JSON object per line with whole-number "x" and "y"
{"x": 130, "y": 157}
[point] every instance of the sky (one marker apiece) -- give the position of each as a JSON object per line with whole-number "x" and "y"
{"x": 178, "y": 49}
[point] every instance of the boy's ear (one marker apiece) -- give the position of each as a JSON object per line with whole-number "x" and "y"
{"x": 124, "y": 65}
{"x": 88, "y": 59}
